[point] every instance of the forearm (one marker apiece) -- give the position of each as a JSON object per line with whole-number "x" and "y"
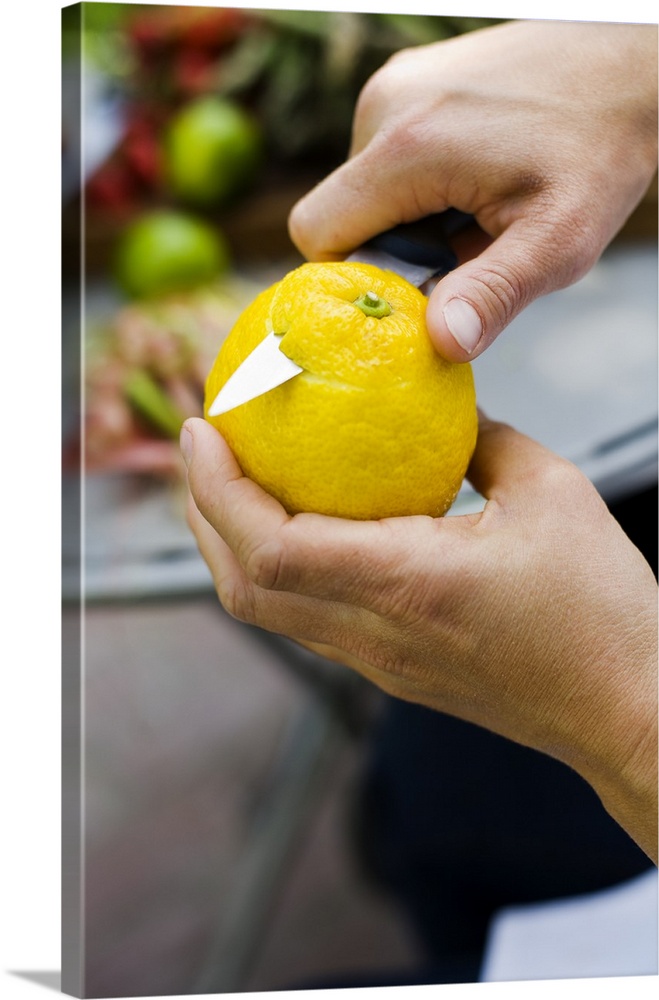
{"x": 621, "y": 762}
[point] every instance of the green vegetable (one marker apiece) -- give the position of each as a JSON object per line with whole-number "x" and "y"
{"x": 152, "y": 402}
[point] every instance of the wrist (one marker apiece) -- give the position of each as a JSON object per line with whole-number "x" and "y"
{"x": 619, "y": 758}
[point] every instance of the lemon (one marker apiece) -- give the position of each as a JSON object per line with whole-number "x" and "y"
{"x": 377, "y": 425}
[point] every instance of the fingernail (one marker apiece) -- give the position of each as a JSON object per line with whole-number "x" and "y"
{"x": 185, "y": 444}
{"x": 464, "y": 323}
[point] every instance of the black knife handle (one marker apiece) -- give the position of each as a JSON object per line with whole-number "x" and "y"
{"x": 425, "y": 242}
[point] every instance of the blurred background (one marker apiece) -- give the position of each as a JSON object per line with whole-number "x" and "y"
{"x": 224, "y": 838}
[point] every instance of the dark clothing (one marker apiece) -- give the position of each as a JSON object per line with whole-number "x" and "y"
{"x": 457, "y": 822}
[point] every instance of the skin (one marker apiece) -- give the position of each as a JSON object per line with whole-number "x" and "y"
{"x": 536, "y": 618}
{"x": 546, "y": 132}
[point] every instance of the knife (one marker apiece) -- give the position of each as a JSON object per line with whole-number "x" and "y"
{"x": 418, "y": 251}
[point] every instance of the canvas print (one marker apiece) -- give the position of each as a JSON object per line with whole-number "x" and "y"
{"x": 359, "y": 494}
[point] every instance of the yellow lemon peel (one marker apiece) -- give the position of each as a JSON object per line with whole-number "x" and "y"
{"x": 378, "y": 424}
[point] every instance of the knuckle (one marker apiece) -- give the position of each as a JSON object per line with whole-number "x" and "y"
{"x": 407, "y": 56}
{"x": 559, "y": 476}
{"x": 572, "y": 234}
{"x": 392, "y": 666}
{"x": 406, "y": 141}
{"x": 384, "y": 656}
{"x": 236, "y": 596}
{"x": 403, "y": 605}
{"x": 265, "y": 564}
{"x": 503, "y": 291}
{"x": 570, "y": 242}
{"x": 374, "y": 94}
{"x": 564, "y": 485}
{"x": 561, "y": 248}
{"x": 577, "y": 245}
{"x": 381, "y": 91}
{"x": 528, "y": 181}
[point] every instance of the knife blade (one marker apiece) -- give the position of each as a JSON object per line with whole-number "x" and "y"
{"x": 262, "y": 370}
{"x": 417, "y": 251}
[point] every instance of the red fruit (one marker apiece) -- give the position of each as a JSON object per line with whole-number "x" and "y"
{"x": 193, "y": 71}
{"x": 111, "y": 187}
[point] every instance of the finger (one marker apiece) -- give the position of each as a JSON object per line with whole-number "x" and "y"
{"x": 515, "y": 470}
{"x": 282, "y": 613}
{"x": 309, "y": 554}
{"x": 325, "y": 628}
{"x": 328, "y": 628}
{"x": 365, "y": 196}
{"x": 470, "y": 307}
{"x": 215, "y": 552}
{"x": 221, "y": 491}
{"x": 339, "y": 214}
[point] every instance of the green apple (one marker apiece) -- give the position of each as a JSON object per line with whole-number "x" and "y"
{"x": 166, "y": 251}
{"x": 212, "y": 150}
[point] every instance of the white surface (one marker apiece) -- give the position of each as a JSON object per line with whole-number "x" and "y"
{"x": 609, "y": 933}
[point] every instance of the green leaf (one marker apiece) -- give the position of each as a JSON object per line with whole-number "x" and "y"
{"x": 153, "y": 403}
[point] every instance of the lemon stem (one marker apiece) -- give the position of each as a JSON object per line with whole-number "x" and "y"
{"x": 372, "y": 305}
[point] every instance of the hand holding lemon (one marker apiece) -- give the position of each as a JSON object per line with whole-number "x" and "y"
{"x": 377, "y": 425}
{"x": 516, "y": 618}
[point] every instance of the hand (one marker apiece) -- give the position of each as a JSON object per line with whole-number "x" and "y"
{"x": 535, "y": 618}
{"x": 545, "y": 131}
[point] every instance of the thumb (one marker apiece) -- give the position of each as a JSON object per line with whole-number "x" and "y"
{"x": 469, "y": 308}
{"x": 508, "y": 466}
